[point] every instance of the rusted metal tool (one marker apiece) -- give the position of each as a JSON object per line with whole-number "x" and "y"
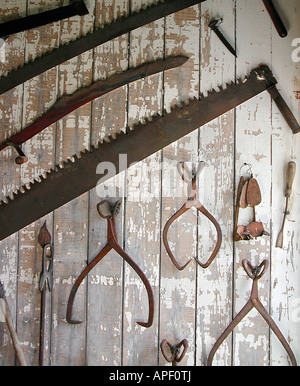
{"x": 46, "y": 281}
{"x": 68, "y": 103}
{"x": 72, "y": 178}
{"x": 278, "y": 23}
{"x": 192, "y": 201}
{"x": 108, "y": 211}
{"x": 255, "y": 273}
{"x": 248, "y": 194}
{"x": 76, "y": 7}
{"x": 172, "y": 353}
{"x": 291, "y": 170}
{"x": 5, "y": 316}
{"x": 214, "y": 25}
{"x": 91, "y": 40}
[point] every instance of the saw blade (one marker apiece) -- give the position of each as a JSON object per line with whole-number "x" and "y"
{"x": 91, "y": 40}
{"x": 78, "y": 175}
{"x": 68, "y": 103}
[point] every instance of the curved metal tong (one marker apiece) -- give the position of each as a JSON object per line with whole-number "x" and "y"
{"x": 108, "y": 212}
{"x": 190, "y": 177}
{"x": 255, "y": 273}
{"x": 172, "y": 353}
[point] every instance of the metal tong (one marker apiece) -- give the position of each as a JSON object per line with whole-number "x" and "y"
{"x": 190, "y": 177}
{"x": 172, "y": 353}
{"x": 255, "y": 273}
{"x": 108, "y": 211}
{"x": 46, "y": 281}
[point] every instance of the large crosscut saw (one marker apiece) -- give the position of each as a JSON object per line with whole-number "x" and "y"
{"x": 78, "y": 175}
{"x": 91, "y": 40}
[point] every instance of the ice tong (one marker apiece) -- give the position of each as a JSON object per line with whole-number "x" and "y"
{"x": 190, "y": 177}
{"x": 108, "y": 211}
{"x": 255, "y": 273}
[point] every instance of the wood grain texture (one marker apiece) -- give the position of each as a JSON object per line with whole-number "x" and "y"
{"x": 216, "y": 187}
{"x": 71, "y": 220}
{"x": 178, "y": 295}
{"x": 105, "y": 286}
{"x": 253, "y": 145}
{"x": 142, "y": 217}
{"x": 39, "y": 94}
{"x": 194, "y": 304}
{"x": 11, "y": 122}
{"x": 285, "y": 290}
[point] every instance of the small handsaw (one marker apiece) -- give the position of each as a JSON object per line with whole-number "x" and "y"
{"x": 91, "y": 40}
{"x": 78, "y": 175}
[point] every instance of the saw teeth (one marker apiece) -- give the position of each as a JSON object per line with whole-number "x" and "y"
{"x": 107, "y": 24}
{"x": 114, "y": 136}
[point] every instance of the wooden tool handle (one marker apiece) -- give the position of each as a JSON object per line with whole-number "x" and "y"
{"x": 275, "y": 18}
{"x": 290, "y": 175}
{"x": 14, "y": 337}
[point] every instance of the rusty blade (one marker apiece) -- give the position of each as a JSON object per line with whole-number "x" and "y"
{"x": 44, "y": 237}
{"x": 77, "y": 176}
{"x": 68, "y": 103}
{"x": 92, "y": 40}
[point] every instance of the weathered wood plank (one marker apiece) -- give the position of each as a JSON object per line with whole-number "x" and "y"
{"x": 39, "y": 95}
{"x": 11, "y": 122}
{"x": 216, "y": 189}
{"x": 178, "y": 295}
{"x": 142, "y": 217}
{"x": 285, "y": 268}
{"x": 105, "y": 286}
{"x": 253, "y": 145}
{"x": 71, "y": 220}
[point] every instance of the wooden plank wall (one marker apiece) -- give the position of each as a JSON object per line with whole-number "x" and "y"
{"x": 193, "y": 304}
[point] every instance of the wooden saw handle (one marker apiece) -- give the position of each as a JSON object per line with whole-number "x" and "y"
{"x": 290, "y": 175}
{"x": 278, "y": 23}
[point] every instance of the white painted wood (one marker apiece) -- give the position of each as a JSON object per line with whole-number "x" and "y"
{"x": 216, "y": 187}
{"x": 11, "y": 122}
{"x": 142, "y": 210}
{"x": 105, "y": 286}
{"x": 2, "y": 310}
{"x": 178, "y": 289}
{"x": 285, "y": 289}
{"x": 253, "y": 145}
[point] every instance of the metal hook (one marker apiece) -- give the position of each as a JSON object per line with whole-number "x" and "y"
{"x": 249, "y": 170}
{"x": 108, "y": 211}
